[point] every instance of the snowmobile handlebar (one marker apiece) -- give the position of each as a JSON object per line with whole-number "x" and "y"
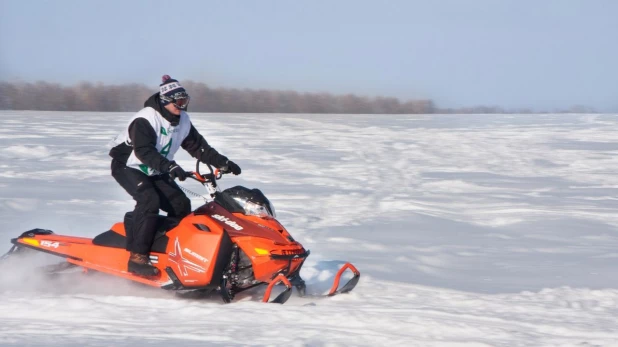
{"x": 211, "y": 177}
{"x": 204, "y": 178}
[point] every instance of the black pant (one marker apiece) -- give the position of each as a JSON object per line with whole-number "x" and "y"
{"x": 150, "y": 193}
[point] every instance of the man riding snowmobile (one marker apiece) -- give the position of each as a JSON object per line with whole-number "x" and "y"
{"x": 143, "y": 165}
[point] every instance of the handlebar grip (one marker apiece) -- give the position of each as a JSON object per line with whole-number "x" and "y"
{"x": 195, "y": 176}
{"x": 211, "y": 177}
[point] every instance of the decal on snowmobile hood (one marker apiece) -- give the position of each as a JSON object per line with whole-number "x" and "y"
{"x": 227, "y": 221}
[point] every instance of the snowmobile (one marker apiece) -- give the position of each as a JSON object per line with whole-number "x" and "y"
{"x": 228, "y": 245}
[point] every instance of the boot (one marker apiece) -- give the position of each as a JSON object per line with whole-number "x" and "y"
{"x": 140, "y": 264}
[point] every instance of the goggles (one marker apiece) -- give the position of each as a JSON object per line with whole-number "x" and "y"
{"x": 180, "y": 100}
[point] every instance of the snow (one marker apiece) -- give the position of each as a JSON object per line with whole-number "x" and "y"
{"x": 469, "y": 230}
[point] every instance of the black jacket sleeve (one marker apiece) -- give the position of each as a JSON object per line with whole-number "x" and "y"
{"x": 197, "y": 146}
{"x": 144, "y": 142}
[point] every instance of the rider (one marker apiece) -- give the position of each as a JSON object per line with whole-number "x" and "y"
{"x": 143, "y": 165}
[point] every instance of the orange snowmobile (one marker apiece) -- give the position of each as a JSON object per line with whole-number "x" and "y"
{"x": 230, "y": 244}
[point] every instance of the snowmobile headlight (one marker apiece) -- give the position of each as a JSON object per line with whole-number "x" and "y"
{"x": 253, "y": 209}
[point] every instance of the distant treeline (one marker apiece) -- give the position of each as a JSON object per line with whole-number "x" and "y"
{"x": 130, "y": 97}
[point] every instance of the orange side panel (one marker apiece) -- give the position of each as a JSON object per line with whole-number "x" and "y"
{"x": 192, "y": 254}
{"x": 104, "y": 259}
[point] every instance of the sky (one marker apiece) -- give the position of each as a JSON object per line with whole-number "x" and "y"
{"x": 510, "y": 53}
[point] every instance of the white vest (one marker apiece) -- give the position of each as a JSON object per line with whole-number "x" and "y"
{"x": 169, "y": 137}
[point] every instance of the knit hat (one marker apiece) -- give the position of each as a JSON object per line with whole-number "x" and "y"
{"x": 170, "y": 90}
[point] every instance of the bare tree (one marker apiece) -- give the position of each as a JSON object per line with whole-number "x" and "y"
{"x": 87, "y": 96}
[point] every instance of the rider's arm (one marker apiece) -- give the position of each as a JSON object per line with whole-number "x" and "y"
{"x": 144, "y": 142}
{"x": 197, "y": 146}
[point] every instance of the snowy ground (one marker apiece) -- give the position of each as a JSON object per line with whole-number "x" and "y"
{"x": 468, "y": 230}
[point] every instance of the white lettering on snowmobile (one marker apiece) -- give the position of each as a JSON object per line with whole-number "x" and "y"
{"x": 50, "y": 244}
{"x": 227, "y": 221}
{"x": 183, "y": 264}
{"x": 203, "y": 259}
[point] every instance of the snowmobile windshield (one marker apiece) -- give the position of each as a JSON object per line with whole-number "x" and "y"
{"x": 255, "y": 209}
{"x": 250, "y": 202}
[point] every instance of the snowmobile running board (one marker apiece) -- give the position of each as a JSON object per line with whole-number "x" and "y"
{"x": 123, "y": 274}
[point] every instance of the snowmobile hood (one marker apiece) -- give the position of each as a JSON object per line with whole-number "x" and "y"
{"x": 247, "y": 226}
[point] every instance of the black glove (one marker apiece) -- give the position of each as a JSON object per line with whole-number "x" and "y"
{"x": 175, "y": 171}
{"x": 232, "y": 167}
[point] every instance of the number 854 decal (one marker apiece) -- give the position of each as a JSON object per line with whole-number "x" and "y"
{"x": 50, "y": 244}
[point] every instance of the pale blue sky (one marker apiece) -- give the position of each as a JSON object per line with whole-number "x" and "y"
{"x": 544, "y": 54}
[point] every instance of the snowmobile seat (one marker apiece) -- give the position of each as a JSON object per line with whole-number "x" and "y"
{"x": 112, "y": 239}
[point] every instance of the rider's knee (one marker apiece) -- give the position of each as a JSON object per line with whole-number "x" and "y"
{"x": 148, "y": 201}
